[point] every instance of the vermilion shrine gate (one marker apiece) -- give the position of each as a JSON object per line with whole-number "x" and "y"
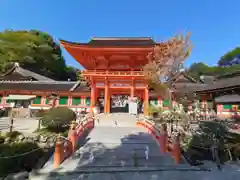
{"x": 114, "y": 66}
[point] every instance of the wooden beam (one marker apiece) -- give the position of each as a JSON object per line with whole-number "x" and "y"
{"x": 42, "y": 92}
{"x": 89, "y": 48}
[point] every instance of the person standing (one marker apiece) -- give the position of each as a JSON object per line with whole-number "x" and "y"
{"x": 215, "y": 152}
{"x": 92, "y": 157}
{"x": 147, "y": 153}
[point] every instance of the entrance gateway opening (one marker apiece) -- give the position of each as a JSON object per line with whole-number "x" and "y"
{"x": 113, "y": 66}
{"x": 119, "y": 103}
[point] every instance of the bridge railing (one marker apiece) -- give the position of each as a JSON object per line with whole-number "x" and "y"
{"x": 161, "y": 137}
{"x": 65, "y": 147}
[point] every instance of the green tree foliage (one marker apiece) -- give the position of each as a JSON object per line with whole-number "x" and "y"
{"x": 229, "y": 56}
{"x": 58, "y": 118}
{"x": 72, "y": 73}
{"x": 198, "y": 69}
{"x": 33, "y": 50}
{"x": 80, "y": 75}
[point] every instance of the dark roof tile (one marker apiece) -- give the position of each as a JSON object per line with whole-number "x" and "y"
{"x": 118, "y": 41}
{"x": 17, "y": 70}
{"x": 230, "y": 98}
{"x": 43, "y": 85}
{"x": 222, "y": 84}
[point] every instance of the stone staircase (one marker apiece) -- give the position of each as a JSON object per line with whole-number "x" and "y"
{"x": 113, "y": 146}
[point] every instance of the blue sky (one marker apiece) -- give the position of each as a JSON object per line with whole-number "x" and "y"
{"x": 214, "y": 24}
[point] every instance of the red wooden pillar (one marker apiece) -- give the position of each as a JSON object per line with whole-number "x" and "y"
{"x": 69, "y": 101}
{"x": 106, "y": 97}
{"x": 159, "y": 101}
{"x": 43, "y": 100}
{"x": 93, "y": 97}
{"x": 146, "y": 101}
{"x": 132, "y": 89}
{"x": 4, "y": 101}
{"x": 83, "y": 100}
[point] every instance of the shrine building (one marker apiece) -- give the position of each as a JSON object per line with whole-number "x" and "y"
{"x": 113, "y": 66}
{"x": 112, "y": 72}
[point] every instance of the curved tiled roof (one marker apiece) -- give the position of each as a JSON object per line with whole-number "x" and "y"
{"x": 116, "y": 41}
{"x": 44, "y": 85}
{"x": 222, "y": 84}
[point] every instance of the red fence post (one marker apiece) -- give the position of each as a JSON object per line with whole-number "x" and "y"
{"x": 72, "y": 136}
{"x": 58, "y": 154}
{"x": 176, "y": 149}
{"x": 163, "y": 139}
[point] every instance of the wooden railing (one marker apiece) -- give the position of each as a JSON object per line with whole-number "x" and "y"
{"x": 65, "y": 147}
{"x": 113, "y": 73}
{"x": 161, "y": 138}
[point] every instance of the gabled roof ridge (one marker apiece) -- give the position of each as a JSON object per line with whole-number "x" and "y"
{"x": 26, "y": 72}
{"x": 185, "y": 75}
{"x": 75, "y": 86}
{"x": 190, "y": 77}
{"x": 10, "y": 70}
{"x": 32, "y": 74}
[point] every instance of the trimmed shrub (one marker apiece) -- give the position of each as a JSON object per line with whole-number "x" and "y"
{"x": 216, "y": 128}
{"x": 58, "y": 118}
{"x": 18, "y": 163}
{"x": 2, "y": 139}
{"x": 13, "y": 135}
{"x": 41, "y": 113}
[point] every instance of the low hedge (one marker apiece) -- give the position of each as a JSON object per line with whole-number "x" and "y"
{"x": 58, "y": 118}
{"x": 199, "y": 146}
{"x": 13, "y": 135}
{"x": 41, "y": 113}
{"x": 17, "y": 163}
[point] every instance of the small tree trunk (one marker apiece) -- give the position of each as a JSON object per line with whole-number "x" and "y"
{"x": 229, "y": 154}
{"x": 11, "y": 125}
{"x": 39, "y": 124}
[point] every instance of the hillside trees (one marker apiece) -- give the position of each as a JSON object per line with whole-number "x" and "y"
{"x": 33, "y": 50}
{"x": 198, "y": 69}
{"x": 229, "y": 56}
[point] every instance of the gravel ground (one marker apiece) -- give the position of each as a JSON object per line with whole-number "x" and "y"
{"x": 23, "y": 125}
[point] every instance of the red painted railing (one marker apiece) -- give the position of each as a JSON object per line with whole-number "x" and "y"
{"x": 65, "y": 147}
{"x": 161, "y": 138}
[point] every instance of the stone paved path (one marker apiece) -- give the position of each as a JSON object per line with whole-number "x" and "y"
{"x": 122, "y": 119}
{"x": 112, "y": 146}
{"x": 23, "y": 125}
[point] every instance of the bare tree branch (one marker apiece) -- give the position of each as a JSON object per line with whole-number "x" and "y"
{"x": 166, "y": 60}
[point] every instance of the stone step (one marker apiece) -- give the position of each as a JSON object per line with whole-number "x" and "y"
{"x": 124, "y": 161}
{"x": 119, "y": 154}
{"x": 105, "y": 173}
{"x": 118, "y": 147}
{"x": 109, "y": 169}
